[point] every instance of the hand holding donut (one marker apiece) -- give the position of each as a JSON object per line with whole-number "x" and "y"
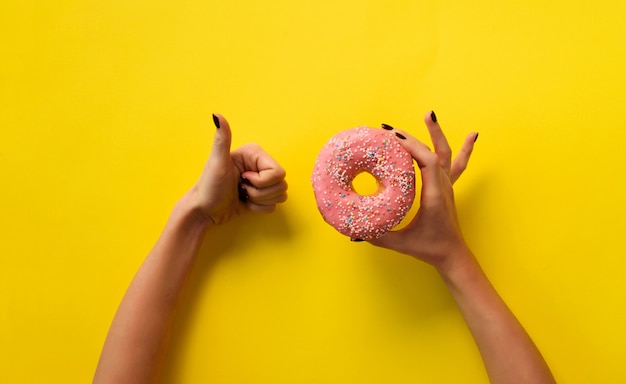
{"x": 245, "y": 179}
{"x": 434, "y": 235}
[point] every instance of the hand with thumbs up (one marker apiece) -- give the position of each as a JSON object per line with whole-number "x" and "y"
{"x": 246, "y": 178}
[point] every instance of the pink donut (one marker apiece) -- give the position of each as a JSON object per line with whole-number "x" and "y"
{"x": 342, "y": 158}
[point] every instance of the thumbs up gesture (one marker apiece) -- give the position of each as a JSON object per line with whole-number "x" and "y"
{"x": 247, "y": 178}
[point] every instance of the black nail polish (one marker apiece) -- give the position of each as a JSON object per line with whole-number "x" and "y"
{"x": 216, "y": 121}
{"x": 433, "y": 117}
{"x": 387, "y": 127}
{"x": 243, "y": 194}
{"x": 476, "y": 138}
{"x": 245, "y": 181}
{"x": 400, "y": 136}
{"x": 356, "y": 240}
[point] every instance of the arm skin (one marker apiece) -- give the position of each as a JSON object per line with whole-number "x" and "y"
{"x": 136, "y": 344}
{"x": 435, "y": 236}
{"x": 509, "y": 354}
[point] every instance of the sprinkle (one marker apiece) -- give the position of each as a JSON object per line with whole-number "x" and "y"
{"x": 356, "y": 150}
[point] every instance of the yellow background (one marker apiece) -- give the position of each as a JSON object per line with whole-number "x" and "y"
{"x": 105, "y": 112}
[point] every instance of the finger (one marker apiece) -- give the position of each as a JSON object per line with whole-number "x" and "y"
{"x": 409, "y": 141}
{"x": 273, "y": 201}
{"x": 265, "y": 194}
{"x": 462, "y": 158}
{"x": 390, "y": 240}
{"x": 442, "y": 148}
{"x": 265, "y": 178}
{"x": 221, "y": 140}
{"x": 257, "y": 166}
{"x": 261, "y": 208}
{"x": 268, "y": 173}
{"x": 427, "y": 162}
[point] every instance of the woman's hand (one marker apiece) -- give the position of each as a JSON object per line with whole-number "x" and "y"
{"x": 244, "y": 179}
{"x": 232, "y": 182}
{"x": 434, "y": 235}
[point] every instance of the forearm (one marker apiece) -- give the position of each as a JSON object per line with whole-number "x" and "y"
{"x": 509, "y": 354}
{"x": 135, "y": 346}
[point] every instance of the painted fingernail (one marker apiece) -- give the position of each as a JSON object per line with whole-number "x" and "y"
{"x": 387, "y": 127}
{"x": 400, "y": 136}
{"x": 216, "y": 121}
{"x": 476, "y": 138}
{"x": 433, "y": 117}
{"x": 245, "y": 181}
{"x": 243, "y": 194}
{"x": 356, "y": 240}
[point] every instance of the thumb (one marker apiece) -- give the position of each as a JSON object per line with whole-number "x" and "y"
{"x": 222, "y": 138}
{"x": 390, "y": 240}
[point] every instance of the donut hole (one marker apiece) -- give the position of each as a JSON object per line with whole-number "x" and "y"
{"x": 365, "y": 184}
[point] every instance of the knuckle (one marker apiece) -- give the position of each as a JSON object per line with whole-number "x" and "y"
{"x": 446, "y": 152}
{"x": 281, "y": 173}
{"x": 431, "y": 159}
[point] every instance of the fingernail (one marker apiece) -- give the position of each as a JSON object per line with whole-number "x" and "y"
{"x": 356, "y": 240}
{"x": 245, "y": 181}
{"x": 387, "y": 127}
{"x": 433, "y": 117}
{"x": 216, "y": 121}
{"x": 243, "y": 194}
{"x": 400, "y": 136}
{"x": 476, "y": 138}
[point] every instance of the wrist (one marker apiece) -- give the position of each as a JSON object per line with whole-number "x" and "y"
{"x": 459, "y": 259}
{"x": 190, "y": 215}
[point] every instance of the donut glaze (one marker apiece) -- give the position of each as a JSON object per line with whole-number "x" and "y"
{"x": 341, "y": 159}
